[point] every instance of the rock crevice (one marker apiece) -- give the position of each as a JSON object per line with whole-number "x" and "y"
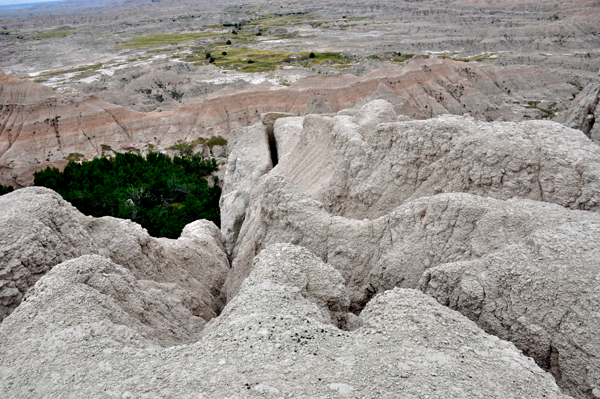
{"x": 484, "y": 217}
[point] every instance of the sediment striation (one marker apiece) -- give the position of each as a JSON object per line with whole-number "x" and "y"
{"x": 40, "y": 129}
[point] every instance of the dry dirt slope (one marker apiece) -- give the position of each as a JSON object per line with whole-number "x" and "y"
{"x": 38, "y": 129}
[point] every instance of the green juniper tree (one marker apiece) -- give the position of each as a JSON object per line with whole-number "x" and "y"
{"x": 5, "y": 189}
{"x": 160, "y": 193}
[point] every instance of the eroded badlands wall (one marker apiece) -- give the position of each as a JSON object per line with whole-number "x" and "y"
{"x": 39, "y": 128}
{"x": 437, "y": 204}
{"x": 75, "y": 338}
{"x": 584, "y": 112}
{"x": 40, "y": 230}
{"x": 362, "y": 169}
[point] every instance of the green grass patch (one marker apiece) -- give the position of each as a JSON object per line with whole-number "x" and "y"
{"x": 85, "y": 68}
{"x": 186, "y": 149}
{"x": 396, "y": 57}
{"x": 74, "y": 156}
{"x": 263, "y": 60}
{"x": 246, "y": 33}
{"x": 258, "y": 60}
{"x": 83, "y": 71}
{"x": 547, "y": 113}
{"x": 164, "y": 39}
{"x": 339, "y": 66}
{"x": 12, "y": 37}
{"x": 478, "y": 58}
{"x": 403, "y": 57}
{"x": 216, "y": 140}
{"x": 329, "y": 58}
{"x": 56, "y": 33}
{"x": 106, "y": 148}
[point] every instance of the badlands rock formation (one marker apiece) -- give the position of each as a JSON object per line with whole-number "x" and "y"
{"x": 36, "y": 134}
{"x": 584, "y": 112}
{"x": 40, "y": 230}
{"x": 497, "y": 220}
{"x": 368, "y": 170}
{"x": 559, "y": 35}
{"x": 75, "y": 337}
{"x": 331, "y": 221}
{"x": 244, "y": 168}
{"x": 22, "y": 92}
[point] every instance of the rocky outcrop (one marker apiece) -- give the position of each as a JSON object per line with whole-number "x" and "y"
{"x": 584, "y": 112}
{"x": 360, "y": 169}
{"x": 511, "y": 274}
{"x": 317, "y": 105}
{"x": 540, "y": 293}
{"x": 40, "y": 230}
{"x": 249, "y": 159}
{"x": 287, "y": 132}
{"x": 22, "y": 92}
{"x": 48, "y": 131}
{"x": 389, "y": 204}
{"x": 275, "y": 338}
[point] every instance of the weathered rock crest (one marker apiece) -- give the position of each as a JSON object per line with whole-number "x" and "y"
{"x": 496, "y": 220}
{"x": 344, "y": 248}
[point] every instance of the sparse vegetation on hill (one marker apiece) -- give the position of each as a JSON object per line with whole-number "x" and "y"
{"x": 245, "y": 34}
{"x": 160, "y": 193}
{"x": 265, "y": 60}
{"x": 403, "y": 57}
{"x": 186, "y": 149}
{"x": 56, "y": 33}
{"x": 81, "y": 72}
{"x": 547, "y": 113}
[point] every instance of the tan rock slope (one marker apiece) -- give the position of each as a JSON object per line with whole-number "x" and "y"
{"x": 361, "y": 170}
{"x": 46, "y": 130}
{"x": 23, "y": 92}
{"x": 497, "y": 220}
{"x": 40, "y": 230}
{"x": 73, "y": 337}
{"x": 584, "y": 112}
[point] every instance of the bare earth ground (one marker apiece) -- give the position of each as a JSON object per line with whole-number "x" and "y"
{"x": 90, "y": 48}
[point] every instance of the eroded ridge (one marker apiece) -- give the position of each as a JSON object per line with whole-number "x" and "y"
{"x": 274, "y": 338}
{"x": 485, "y": 217}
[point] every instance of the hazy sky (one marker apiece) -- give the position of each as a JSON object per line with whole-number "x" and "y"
{"x": 9, "y": 2}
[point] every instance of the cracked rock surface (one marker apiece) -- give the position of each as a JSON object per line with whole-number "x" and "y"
{"x": 40, "y": 230}
{"x": 495, "y": 220}
{"x": 272, "y": 340}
